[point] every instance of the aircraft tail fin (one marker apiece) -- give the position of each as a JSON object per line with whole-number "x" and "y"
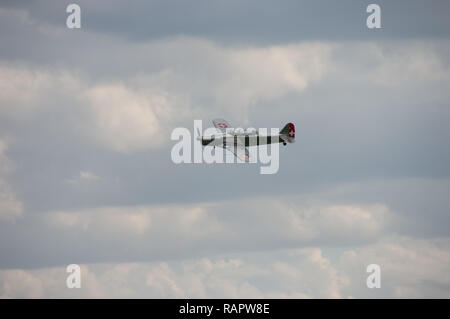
{"x": 288, "y": 133}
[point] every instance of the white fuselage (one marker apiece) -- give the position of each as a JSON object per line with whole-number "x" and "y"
{"x": 241, "y": 138}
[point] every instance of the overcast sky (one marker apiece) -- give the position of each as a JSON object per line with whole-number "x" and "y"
{"x": 86, "y": 175}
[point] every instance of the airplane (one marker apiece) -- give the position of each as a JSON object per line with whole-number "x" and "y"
{"x": 237, "y": 140}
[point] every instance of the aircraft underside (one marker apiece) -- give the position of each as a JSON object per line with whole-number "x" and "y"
{"x": 245, "y": 140}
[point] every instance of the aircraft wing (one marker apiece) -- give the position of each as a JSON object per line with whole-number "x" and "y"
{"x": 240, "y": 151}
{"x": 221, "y": 124}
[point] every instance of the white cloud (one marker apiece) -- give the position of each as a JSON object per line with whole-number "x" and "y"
{"x": 415, "y": 63}
{"x": 189, "y": 78}
{"x": 238, "y": 277}
{"x": 48, "y": 283}
{"x": 256, "y": 74}
{"x": 220, "y": 259}
{"x": 26, "y": 93}
{"x": 17, "y": 283}
{"x": 88, "y": 176}
{"x": 409, "y": 268}
{"x": 125, "y": 119}
{"x": 219, "y": 224}
{"x": 138, "y": 112}
{"x": 131, "y": 220}
{"x": 84, "y": 176}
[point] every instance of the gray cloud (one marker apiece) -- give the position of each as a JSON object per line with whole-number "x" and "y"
{"x": 86, "y": 175}
{"x": 249, "y": 22}
{"x": 138, "y": 232}
{"x": 354, "y": 120}
{"x": 10, "y": 206}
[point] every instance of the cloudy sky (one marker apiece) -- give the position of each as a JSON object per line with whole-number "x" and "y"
{"x": 86, "y": 175}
